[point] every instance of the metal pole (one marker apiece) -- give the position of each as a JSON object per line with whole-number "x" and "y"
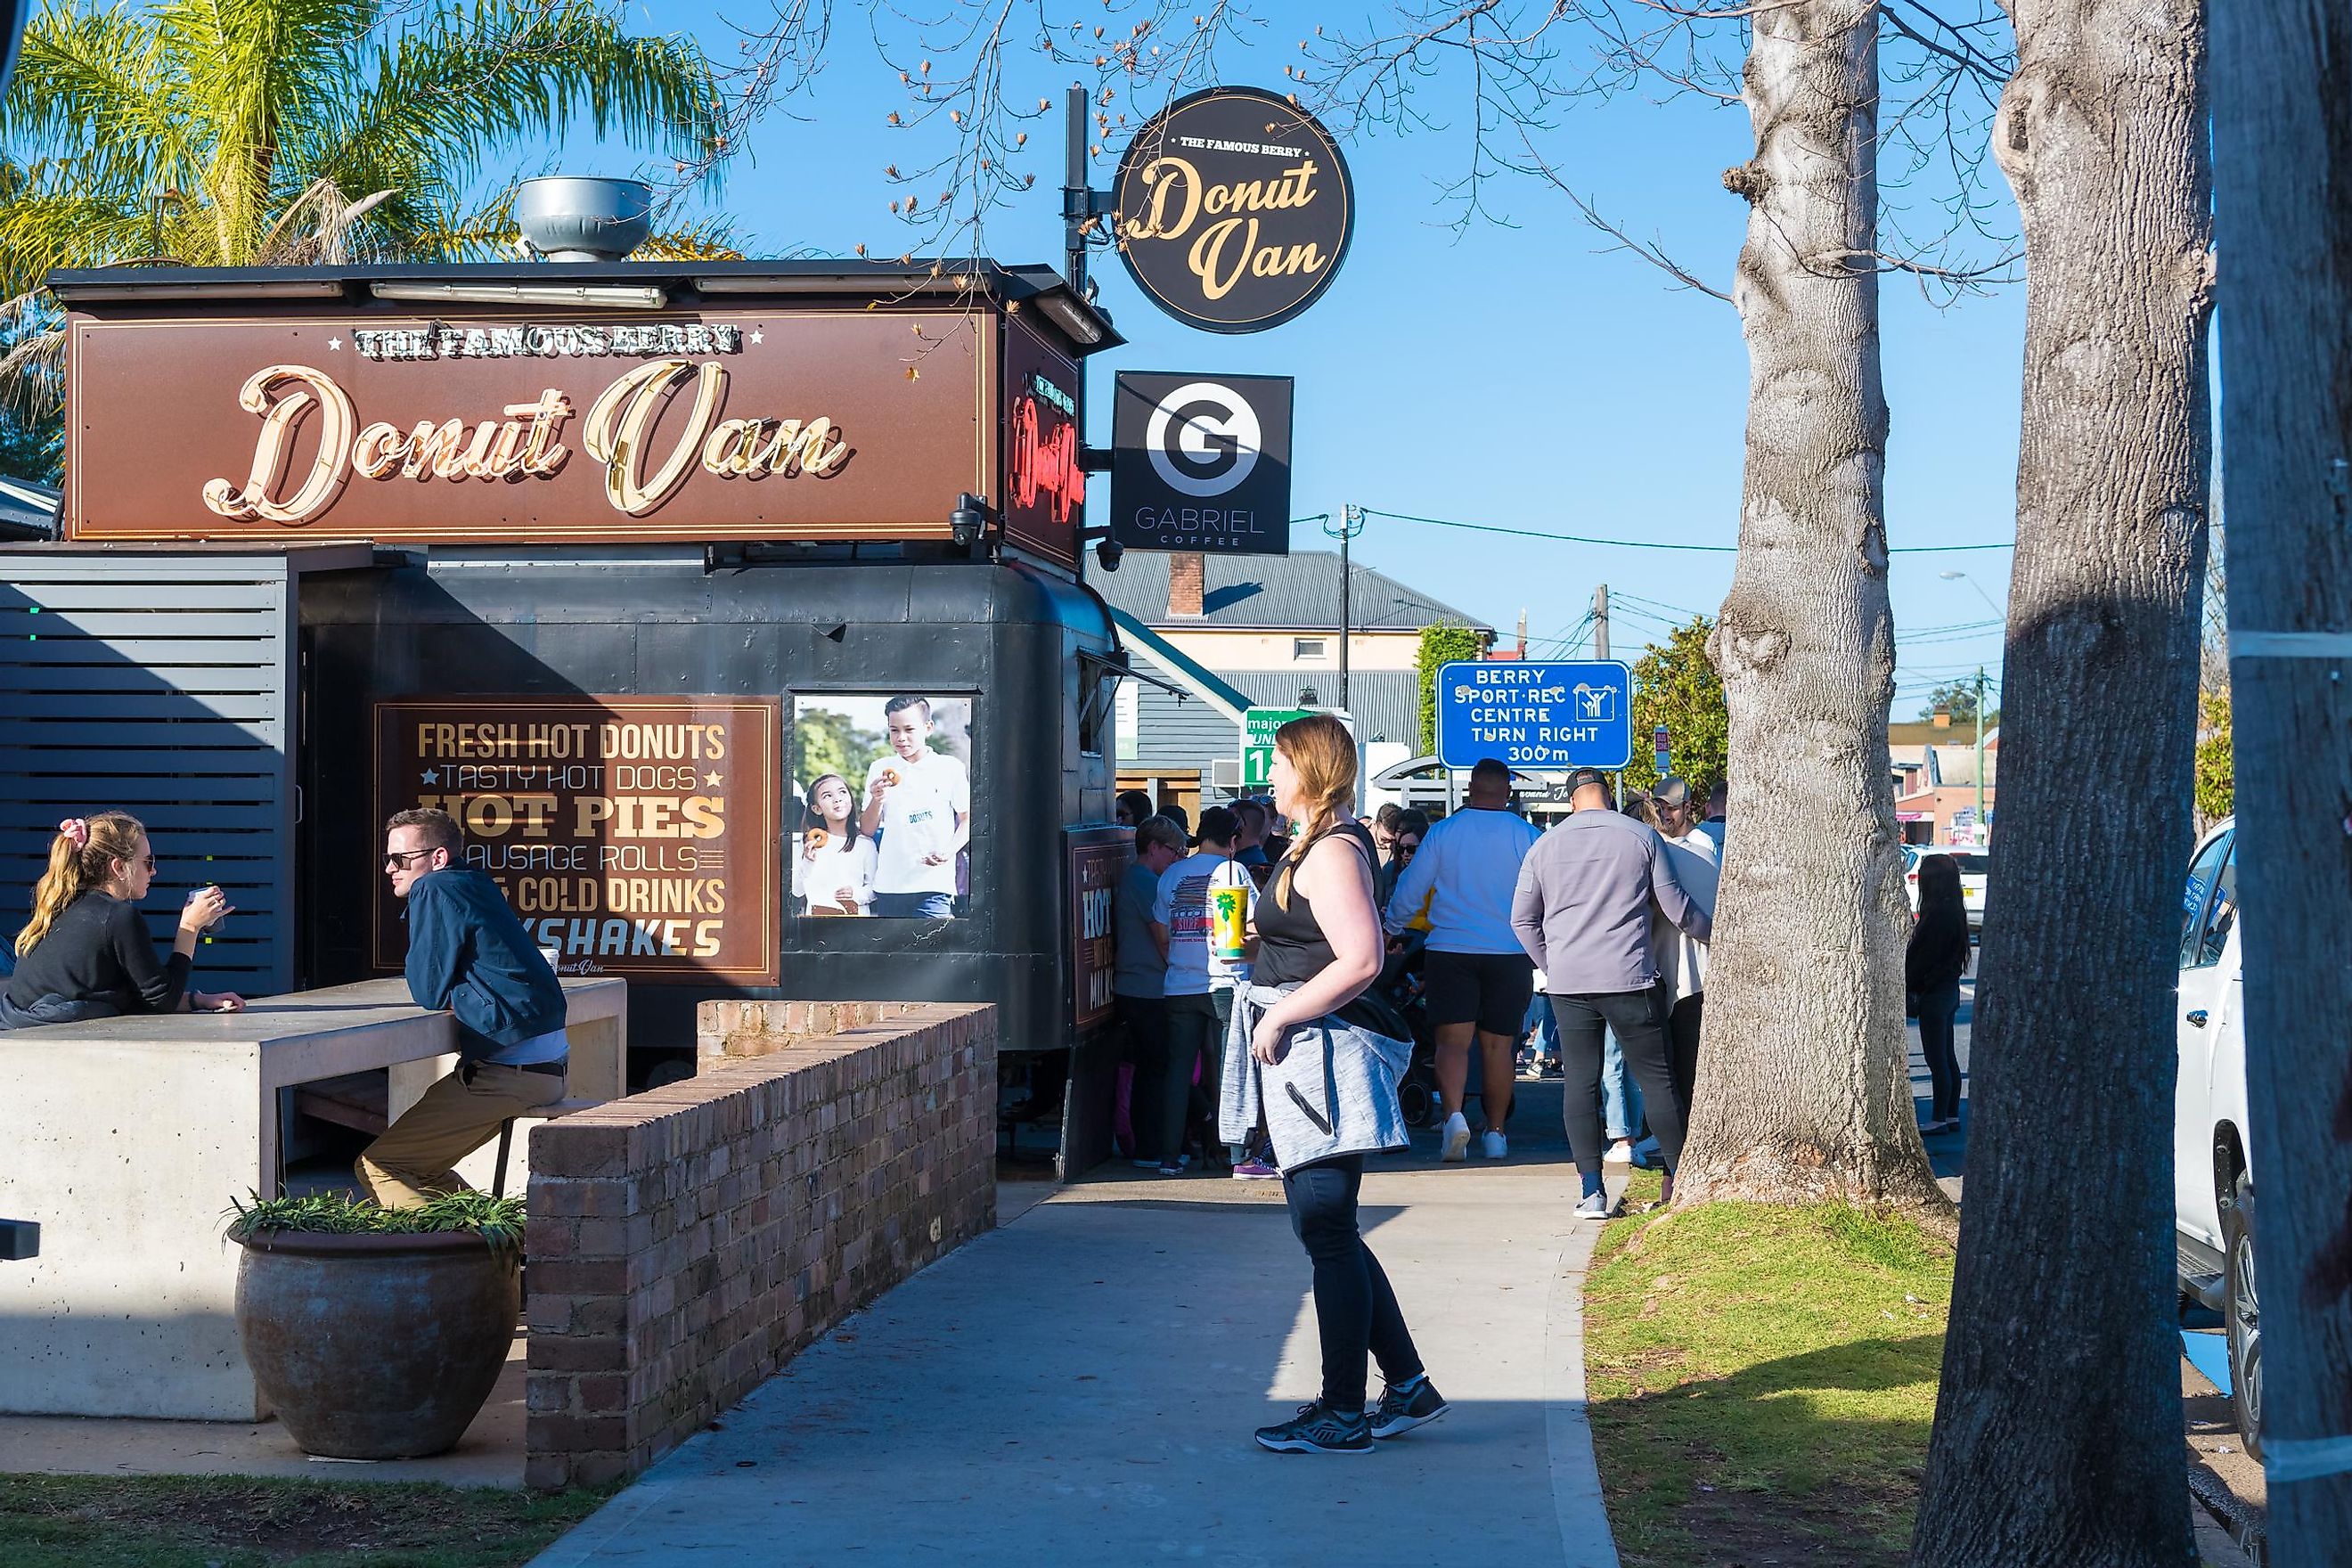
{"x": 1350, "y": 518}
{"x": 1076, "y": 190}
{"x": 1600, "y": 650}
{"x": 1984, "y": 836}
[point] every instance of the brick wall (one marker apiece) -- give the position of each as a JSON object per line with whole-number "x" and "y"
{"x": 686, "y": 1242}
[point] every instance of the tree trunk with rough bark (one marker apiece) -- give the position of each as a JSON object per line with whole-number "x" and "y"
{"x": 2058, "y": 1426}
{"x": 1803, "y": 1095}
{"x": 2283, "y": 147}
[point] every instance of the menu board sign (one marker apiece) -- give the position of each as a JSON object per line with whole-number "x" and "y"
{"x": 635, "y": 835}
{"x": 1098, "y": 858}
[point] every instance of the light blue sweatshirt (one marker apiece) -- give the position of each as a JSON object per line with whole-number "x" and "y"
{"x": 1472, "y": 859}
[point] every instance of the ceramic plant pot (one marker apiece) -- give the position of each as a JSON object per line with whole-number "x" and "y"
{"x": 376, "y": 1347}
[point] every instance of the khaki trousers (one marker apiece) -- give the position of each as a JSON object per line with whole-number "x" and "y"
{"x": 410, "y": 1163}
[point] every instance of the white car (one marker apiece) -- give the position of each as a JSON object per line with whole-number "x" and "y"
{"x": 1974, "y": 863}
{"x": 2212, "y": 1174}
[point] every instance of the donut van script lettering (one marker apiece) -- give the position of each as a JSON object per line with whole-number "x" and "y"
{"x": 1225, "y": 248}
{"x": 524, "y": 441}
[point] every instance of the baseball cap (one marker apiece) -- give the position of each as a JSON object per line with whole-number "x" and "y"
{"x": 1577, "y": 779}
{"x": 1671, "y": 791}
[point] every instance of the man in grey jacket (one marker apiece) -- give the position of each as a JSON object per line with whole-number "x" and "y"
{"x": 1582, "y": 911}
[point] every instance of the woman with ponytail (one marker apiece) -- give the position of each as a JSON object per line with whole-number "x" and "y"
{"x": 1320, "y": 1060}
{"x": 86, "y": 952}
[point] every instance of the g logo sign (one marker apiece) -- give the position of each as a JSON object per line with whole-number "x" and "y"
{"x": 1202, "y": 439}
{"x": 1201, "y": 461}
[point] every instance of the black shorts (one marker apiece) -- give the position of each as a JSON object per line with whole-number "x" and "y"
{"x": 1491, "y": 990}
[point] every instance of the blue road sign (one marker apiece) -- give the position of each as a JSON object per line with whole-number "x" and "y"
{"x": 1544, "y": 716}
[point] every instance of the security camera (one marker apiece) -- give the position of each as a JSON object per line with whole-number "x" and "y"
{"x": 969, "y": 519}
{"x": 1109, "y": 553}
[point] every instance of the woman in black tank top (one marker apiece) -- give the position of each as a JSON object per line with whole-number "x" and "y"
{"x": 1319, "y": 931}
{"x": 1291, "y": 943}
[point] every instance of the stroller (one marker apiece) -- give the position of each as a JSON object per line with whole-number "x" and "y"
{"x": 1401, "y": 983}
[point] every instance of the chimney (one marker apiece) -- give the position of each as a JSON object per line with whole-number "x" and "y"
{"x": 1184, "y": 572}
{"x": 1943, "y": 718}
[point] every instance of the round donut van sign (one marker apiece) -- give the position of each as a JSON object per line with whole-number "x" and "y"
{"x": 1232, "y": 209}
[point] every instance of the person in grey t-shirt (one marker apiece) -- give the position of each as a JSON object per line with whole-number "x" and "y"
{"x": 1582, "y": 911}
{"x": 1137, "y": 981}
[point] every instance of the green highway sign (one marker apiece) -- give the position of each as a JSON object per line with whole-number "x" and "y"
{"x": 1258, "y": 725}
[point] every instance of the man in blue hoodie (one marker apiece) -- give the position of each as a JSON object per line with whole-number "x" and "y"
{"x": 467, "y": 953}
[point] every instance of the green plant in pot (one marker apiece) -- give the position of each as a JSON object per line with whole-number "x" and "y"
{"x": 377, "y": 1333}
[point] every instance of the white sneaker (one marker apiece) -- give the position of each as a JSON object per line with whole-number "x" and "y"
{"x": 1494, "y": 1145}
{"x": 1621, "y": 1152}
{"x": 1456, "y": 1142}
{"x": 1596, "y": 1206}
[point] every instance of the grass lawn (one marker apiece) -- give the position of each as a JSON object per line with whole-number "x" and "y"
{"x": 238, "y": 1521}
{"x": 1762, "y": 1382}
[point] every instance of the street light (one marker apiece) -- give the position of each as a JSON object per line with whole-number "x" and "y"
{"x": 1964, "y": 577}
{"x": 1958, "y": 576}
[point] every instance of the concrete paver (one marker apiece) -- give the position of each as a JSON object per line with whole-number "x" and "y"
{"x": 490, "y": 1454}
{"x": 1081, "y": 1384}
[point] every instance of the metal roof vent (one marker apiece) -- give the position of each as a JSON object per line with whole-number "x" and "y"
{"x": 579, "y": 217}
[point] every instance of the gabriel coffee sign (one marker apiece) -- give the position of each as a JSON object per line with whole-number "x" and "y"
{"x": 807, "y": 423}
{"x": 1232, "y": 209}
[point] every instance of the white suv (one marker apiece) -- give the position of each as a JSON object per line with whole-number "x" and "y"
{"x": 2212, "y": 1174}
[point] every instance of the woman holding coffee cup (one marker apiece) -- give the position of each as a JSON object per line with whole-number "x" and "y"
{"x": 86, "y": 952}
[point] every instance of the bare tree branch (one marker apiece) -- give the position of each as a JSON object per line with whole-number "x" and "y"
{"x": 1653, "y": 251}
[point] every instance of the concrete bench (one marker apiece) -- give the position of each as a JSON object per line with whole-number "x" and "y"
{"x": 127, "y": 1138}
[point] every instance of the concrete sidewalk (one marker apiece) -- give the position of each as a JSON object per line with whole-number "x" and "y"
{"x": 1080, "y": 1386}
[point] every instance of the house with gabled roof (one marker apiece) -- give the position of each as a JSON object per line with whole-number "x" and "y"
{"x": 1229, "y": 632}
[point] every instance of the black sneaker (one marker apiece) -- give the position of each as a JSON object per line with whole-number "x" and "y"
{"x": 1319, "y": 1429}
{"x": 1399, "y": 1413}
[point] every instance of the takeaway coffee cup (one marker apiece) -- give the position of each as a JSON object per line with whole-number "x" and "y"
{"x": 196, "y": 893}
{"x": 554, "y": 956}
{"x": 1228, "y": 919}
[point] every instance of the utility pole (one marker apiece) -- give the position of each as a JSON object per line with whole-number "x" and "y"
{"x": 1600, "y": 650}
{"x": 1351, "y": 523}
{"x": 1984, "y": 832}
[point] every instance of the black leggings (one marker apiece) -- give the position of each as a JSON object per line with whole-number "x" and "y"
{"x": 1937, "y": 1009}
{"x": 1638, "y": 1018}
{"x": 1355, "y": 1310}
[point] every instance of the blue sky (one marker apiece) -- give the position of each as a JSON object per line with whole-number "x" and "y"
{"x": 1502, "y": 374}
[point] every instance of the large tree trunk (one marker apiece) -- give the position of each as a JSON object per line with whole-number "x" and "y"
{"x": 1802, "y": 1093}
{"x": 2282, "y": 143}
{"x": 2058, "y": 1427}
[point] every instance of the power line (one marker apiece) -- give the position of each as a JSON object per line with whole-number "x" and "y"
{"x": 1648, "y": 543}
{"x": 1685, "y": 617}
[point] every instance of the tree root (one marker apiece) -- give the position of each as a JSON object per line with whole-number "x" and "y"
{"x": 1767, "y": 1176}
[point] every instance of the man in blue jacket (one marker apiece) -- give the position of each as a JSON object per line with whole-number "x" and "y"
{"x": 467, "y": 953}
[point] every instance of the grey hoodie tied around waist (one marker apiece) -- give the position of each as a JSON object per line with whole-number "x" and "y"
{"x": 1333, "y": 1092}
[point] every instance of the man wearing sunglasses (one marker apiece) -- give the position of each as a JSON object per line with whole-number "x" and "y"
{"x": 467, "y": 953}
